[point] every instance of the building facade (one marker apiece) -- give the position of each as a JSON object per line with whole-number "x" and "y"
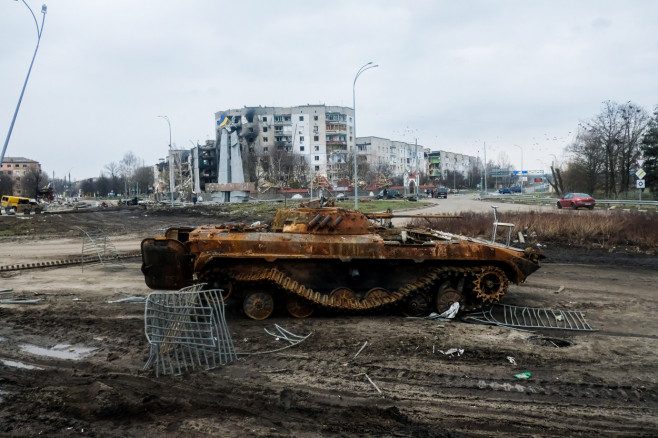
{"x": 442, "y": 163}
{"x": 17, "y": 167}
{"x": 324, "y": 136}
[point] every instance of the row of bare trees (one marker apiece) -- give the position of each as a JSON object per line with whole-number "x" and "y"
{"x": 606, "y": 149}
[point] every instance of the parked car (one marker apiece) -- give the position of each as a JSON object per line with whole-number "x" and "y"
{"x": 442, "y": 193}
{"x": 516, "y": 189}
{"x": 505, "y": 191}
{"x": 388, "y": 194}
{"x": 576, "y": 200}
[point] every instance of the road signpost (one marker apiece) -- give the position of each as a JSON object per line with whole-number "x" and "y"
{"x": 640, "y": 173}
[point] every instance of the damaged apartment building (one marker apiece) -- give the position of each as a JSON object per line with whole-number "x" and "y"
{"x": 283, "y": 144}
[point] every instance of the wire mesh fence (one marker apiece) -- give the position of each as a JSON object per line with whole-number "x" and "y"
{"x": 187, "y": 329}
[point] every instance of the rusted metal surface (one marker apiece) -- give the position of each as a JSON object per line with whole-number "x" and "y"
{"x": 335, "y": 259}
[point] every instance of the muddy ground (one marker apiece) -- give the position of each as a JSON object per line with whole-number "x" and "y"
{"x": 582, "y": 384}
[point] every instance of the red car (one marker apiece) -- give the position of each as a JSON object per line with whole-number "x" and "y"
{"x": 576, "y": 200}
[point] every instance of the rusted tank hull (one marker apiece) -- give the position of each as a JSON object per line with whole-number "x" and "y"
{"x": 335, "y": 259}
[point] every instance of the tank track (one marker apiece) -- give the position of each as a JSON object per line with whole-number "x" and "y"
{"x": 290, "y": 286}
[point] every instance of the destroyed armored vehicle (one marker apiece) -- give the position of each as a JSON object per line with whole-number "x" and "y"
{"x": 335, "y": 259}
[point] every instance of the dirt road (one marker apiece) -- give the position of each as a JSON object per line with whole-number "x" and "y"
{"x": 587, "y": 384}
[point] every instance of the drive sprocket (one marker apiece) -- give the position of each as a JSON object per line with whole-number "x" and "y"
{"x": 490, "y": 284}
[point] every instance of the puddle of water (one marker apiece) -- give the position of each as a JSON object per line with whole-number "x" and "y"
{"x": 59, "y": 351}
{"x": 14, "y": 364}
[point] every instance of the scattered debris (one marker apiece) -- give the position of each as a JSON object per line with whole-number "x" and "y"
{"x": 452, "y": 352}
{"x": 373, "y": 384}
{"x": 360, "y": 350}
{"x": 511, "y": 360}
{"x": 20, "y": 301}
{"x": 522, "y": 376}
{"x": 129, "y": 300}
{"x": 530, "y": 317}
{"x": 6, "y": 291}
{"x": 292, "y": 338}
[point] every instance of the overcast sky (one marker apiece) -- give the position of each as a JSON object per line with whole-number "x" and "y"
{"x": 453, "y": 74}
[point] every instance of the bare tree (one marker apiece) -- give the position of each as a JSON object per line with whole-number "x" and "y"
{"x": 32, "y": 181}
{"x": 589, "y": 159}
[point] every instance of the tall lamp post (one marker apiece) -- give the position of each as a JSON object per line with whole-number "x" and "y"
{"x": 44, "y": 9}
{"x": 171, "y": 163}
{"x": 356, "y": 178}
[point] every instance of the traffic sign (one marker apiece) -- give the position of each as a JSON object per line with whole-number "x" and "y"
{"x": 640, "y": 173}
{"x": 639, "y": 184}
{"x": 640, "y": 162}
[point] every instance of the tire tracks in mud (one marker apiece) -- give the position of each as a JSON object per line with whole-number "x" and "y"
{"x": 423, "y": 395}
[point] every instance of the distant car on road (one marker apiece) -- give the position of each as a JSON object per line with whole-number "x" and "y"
{"x": 388, "y": 194}
{"x": 505, "y": 191}
{"x": 576, "y": 201}
{"x": 516, "y": 189}
{"x": 442, "y": 193}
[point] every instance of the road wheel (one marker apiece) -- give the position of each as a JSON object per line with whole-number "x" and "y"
{"x": 258, "y": 305}
{"x": 446, "y": 298}
{"x": 415, "y": 306}
{"x": 298, "y": 307}
{"x": 376, "y": 294}
{"x": 591, "y": 207}
{"x": 573, "y": 206}
{"x": 559, "y": 206}
{"x": 343, "y": 296}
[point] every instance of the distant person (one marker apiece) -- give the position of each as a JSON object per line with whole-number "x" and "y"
{"x": 194, "y": 198}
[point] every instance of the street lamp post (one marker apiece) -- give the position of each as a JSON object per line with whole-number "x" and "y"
{"x": 521, "y": 165}
{"x": 44, "y": 9}
{"x": 171, "y": 163}
{"x": 356, "y": 178}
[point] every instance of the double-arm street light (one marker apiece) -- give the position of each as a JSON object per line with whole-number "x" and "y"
{"x": 356, "y": 177}
{"x": 171, "y": 163}
{"x": 44, "y": 9}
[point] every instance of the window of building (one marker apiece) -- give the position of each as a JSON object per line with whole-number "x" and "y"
{"x": 251, "y": 129}
{"x": 301, "y": 138}
{"x": 315, "y": 118}
{"x": 264, "y": 139}
{"x": 301, "y": 148}
{"x": 315, "y": 128}
{"x": 316, "y": 138}
{"x": 265, "y": 149}
{"x": 264, "y": 118}
{"x": 264, "y": 128}
{"x": 301, "y": 118}
{"x": 317, "y": 168}
{"x": 317, "y": 158}
{"x": 317, "y": 148}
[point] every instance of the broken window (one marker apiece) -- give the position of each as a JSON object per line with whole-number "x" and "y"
{"x": 301, "y": 138}
{"x": 264, "y": 139}
{"x": 264, "y": 128}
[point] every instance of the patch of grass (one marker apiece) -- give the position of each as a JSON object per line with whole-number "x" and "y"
{"x": 377, "y": 206}
{"x": 579, "y": 229}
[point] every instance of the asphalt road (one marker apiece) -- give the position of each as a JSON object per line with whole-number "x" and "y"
{"x": 470, "y": 202}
